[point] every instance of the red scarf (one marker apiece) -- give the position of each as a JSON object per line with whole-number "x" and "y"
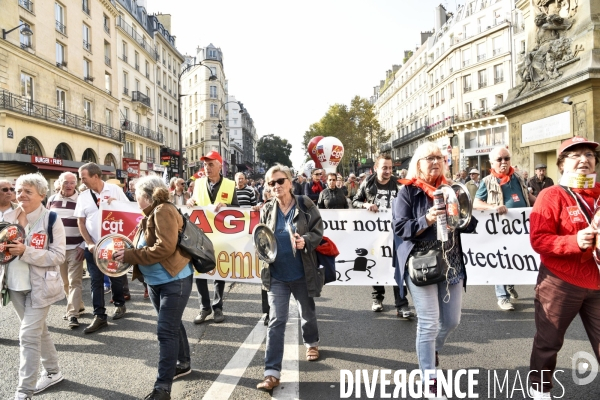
{"x": 424, "y": 186}
{"x": 317, "y": 187}
{"x": 504, "y": 179}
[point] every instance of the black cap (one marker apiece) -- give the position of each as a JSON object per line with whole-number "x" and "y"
{"x": 540, "y": 166}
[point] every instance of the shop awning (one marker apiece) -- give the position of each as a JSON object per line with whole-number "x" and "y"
{"x": 404, "y": 164}
{"x": 57, "y": 168}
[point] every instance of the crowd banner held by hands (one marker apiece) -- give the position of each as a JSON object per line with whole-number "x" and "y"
{"x": 498, "y": 253}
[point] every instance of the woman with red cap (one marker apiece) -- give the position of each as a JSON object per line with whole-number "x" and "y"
{"x": 569, "y": 281}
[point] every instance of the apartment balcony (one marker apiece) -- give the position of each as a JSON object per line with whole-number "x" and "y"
{"x": 26, "y": 4}
{"x": 498, "y": 79}
{"x": 124, "y": 57}
{"x": 481, "y": 57}
{"x": 107, "y": 61}
{"x": 61, "y": 28}
{"x": 40, "y": 111}
{"x": 140, "y": 97}
{"x": 141, "y": 131}
{"x": 396, "y": 142}
{"x": 87, "y": 45}
{"x": 482, "y": 84}
{"x": 466, "y": 89}
{"x": 125, "y": 27}
{"x": 415, "y": 134}
{"x": 497, "y": 51}
{"x": 85, "y": 9}
{"x": 107, "y": 29}
{"x": 128, "y": 155}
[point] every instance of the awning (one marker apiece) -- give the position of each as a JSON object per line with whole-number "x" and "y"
{"x": 405, "y": 163}
{"x": 57, "y": 168}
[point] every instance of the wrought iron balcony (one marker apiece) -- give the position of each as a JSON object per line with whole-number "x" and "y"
{"x": 499, "y": 79}
{"x": 467, "y": 89}
{"x": 140, "y": 130}
{"x": 128, "y": 155}
{"x": 482, "y": 84}
{"x": 137, "y": 37}
{"x": 34, "y": 109}
{"x": 416, "y": 134}
{"x": 140, "y": 97}
{"x": 481, "y": 57}
{"x": 107, "y": 60}
{"x": 61, "y": 28}
{"x": 107, "y": 29}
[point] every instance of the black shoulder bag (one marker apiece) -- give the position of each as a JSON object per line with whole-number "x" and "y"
{"x": 427, "y": 268}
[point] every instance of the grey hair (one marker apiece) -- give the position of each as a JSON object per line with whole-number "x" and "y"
{"x": 62, "y": 177}
{"x": 92, "y": 169}
{"x": 278, "y": 168}
{"x": 424, "y": 150}
{"x": 238, "y": 174}
{"x": 145, "y": 186}
{"x": 495, "y": 153}
{"x": 5, "y": 181}
{"x": 36, "y": 180}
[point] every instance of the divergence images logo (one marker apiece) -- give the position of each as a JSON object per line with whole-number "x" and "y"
{"x": 585, "y": 368}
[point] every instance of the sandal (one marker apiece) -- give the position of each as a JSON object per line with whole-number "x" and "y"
{"x": 268, "y": 383}
{"x": 312, "y": 354}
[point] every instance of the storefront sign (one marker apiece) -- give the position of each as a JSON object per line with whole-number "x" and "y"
{"x": 132, "y": 167}
{"x": 9, "y": 133}
{"x": 46, "y": 160}
{"x": 478, "y": 151}
{"x": 121, "y": 174}
{"x": 546, "y": 128}
{"x": 157, "y": 168}
{"x": 165, "y": 160}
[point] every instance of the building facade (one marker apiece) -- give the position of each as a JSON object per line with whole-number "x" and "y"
{"x": 58, "y": 100}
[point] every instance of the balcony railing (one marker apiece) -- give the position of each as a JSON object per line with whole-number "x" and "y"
{"x": 107, "y": 60}
{"x": 126, "y": 91}
{"x": 416, "y": 134}
{"x": 85, "y": 9}
{"x": 25, "y": 46}
{"x": 481, "y": 57}
{"x": 150, "y": 159}
{"x": 107, "y": 29}
{"x": 466, "y": 62}
{"x": 61, "y": 28}
{"x": 497, "y": 51}
{"x": 87, "y": 45}
{"x": 15, "y": 103}
{"x": 137, "y": 37}
{"x": 140, "y": 97}
{"x": 128, "y": 155}
{"x": 124, "y": 57}
{"x": 482, "y": 84}
{"x": 140, "y": 130}
{"x": 467, "y": 89}
{"x": 137, "y": 67}
{"x": 499, "y": 79}
{"x": 26, "y": 4}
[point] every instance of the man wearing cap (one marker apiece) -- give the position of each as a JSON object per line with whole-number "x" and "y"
{"x": 473, "y": 183}
{"x": 504, "y": 188}
{"x": 540, "y": 181}
{"x": 212, "y": 189}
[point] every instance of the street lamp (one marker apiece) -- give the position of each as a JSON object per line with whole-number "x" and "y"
{"x": 212, "y": 77}
{"x": 26, "y": 31}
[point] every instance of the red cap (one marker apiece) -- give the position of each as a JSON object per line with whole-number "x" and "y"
{"x": 574, "y": 141}
{"x": 212, "y": 155}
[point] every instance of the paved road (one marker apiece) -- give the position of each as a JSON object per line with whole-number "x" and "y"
{"x": 120, "y": 362}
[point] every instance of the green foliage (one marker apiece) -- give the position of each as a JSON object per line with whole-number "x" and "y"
{"x": 355, "y": 126}
{"x": 273, "y": 149}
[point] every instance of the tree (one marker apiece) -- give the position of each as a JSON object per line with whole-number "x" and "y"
{"x": 273, "y": 149}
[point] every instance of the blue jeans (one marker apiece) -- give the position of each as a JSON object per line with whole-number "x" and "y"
{"x": 204, "y": 296}
{"x": 437, "y": 319}
{"x": 169, "y": 301}
{"x": 501, "y": 291}
{"x": 97, "y": 287}
{"x": 279, "y": 302}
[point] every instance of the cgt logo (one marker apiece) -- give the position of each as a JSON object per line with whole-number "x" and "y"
{"x": 38, "y": 240}
{"x": 585, "y": 368}
{"x": 113, "y": 226}
{"x": 105, "y": 254}
{"x": 336, "y": 154}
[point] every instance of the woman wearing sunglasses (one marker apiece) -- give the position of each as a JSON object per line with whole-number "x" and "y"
{"x": 6, "y": 205}
{"x": 314, "y": 188}
{"x": 294, "y": 271}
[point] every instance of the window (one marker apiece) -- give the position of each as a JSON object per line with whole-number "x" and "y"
{"x": 107, "y": 53}
{"x": 108, "y": 118}
{"x": 212, "y": 53}
{"x": 213, "y": 71}
{"x": 467, "y": 83}
{"x": 107, "y": 83}
{"x": 481, "y": 51}
{"x": 125, "y": 83}
{"x": 136, "y": 59}
{"x": 147, "y": 70}
{"x": 483, "y": 105}
{"x": 59, "y": 15}
{"x": 466, "y": 56}
{"x": 60, "y": 55}
{"x": 87, "y": 113}
{"x": 141, "y": 153}
{"x": 87, "y": 70}
{"x": 137, "y": 85}
{"x": 466, "y": 31}
{"x": 126, "y": 113}
{"x": 128, "y": 148}
{"x": 498, "y": 73}
{"x": 24, "y": 39}
{"x": 442, "y": 97}
{"x": 213, "y": 110}
{"x": 213, "y": 92}
{"x": 61, "y": 97}
{"x": 468, "y": 110}
{"x": 451, "y": 90}
{"x": 124, "y": 53}
{"x": 497, "y": 17}
{"x": 499, "y": 99}
{"x": 106, "y": 23}
{"x": 85, "y": 5}
{"x": 86, "y": 38}
{"x": 497, "y": 43}
{"x": 482, "y": 78}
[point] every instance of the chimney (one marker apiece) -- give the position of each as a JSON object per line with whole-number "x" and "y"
{"x": 381, "y": 83}
{"x": 395, "y": 67}
{"x": 440, "y": 17}
{"x": 165, "y": 20}
{"x": 425, "y": 35}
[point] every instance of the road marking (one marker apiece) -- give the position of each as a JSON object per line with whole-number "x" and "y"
{"x": 223, "y": 386}
{"x": 289, "y": 388}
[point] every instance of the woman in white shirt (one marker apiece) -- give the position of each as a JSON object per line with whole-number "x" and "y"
{"x": 34, "y": 283}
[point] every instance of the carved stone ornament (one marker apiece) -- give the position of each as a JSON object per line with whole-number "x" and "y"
{"x": 581, "y": 120}
{"x": 553, "y": 50}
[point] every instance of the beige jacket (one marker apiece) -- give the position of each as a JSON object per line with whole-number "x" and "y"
{"x": 44, "y": 264}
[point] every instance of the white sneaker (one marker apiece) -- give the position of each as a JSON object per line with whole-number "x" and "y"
{"x": 535, "y": 395}
{"x": 21, "y": 396}
{"x": 505, "y": 305}
{"x": 377, "y": 306}
{"x": 47, "y": 380}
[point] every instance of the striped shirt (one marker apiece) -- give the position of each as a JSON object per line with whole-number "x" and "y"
{"x": 65, "y": 208}
{"x": 246, "y": 196}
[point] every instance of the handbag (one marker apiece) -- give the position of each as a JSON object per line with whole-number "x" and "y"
{"x": 195, "y": 242}
{"x": 427, "y": 268}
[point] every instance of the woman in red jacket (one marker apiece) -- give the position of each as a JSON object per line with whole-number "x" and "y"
{"x": 569, "y": 281}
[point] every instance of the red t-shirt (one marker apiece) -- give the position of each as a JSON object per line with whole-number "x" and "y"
{"x": 554, "y": 223}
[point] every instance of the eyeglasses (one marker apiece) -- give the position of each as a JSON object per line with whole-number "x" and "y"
{"x": 5, "y": 189}
{"x": 499, "y": 159}
{"x": 279, "y": 181}
{"x": 575, "y": 156}
{"x": 432, "y": 159}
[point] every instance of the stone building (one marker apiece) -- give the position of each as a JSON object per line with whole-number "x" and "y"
{"x": 58, "y": 99}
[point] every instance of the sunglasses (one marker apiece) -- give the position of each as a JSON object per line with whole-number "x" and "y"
{"x": 5, "y": 189}
{"x": 279, "y": 181}
{"x": 502, "y": 158}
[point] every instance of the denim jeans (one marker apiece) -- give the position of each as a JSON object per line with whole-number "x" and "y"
{"x": 169, "y": 301}
{"x": 35, "y": 342}
{"x": 437, "y": 319}
{"x": 279, "y": 301}
{"x": 204, "y": 296}
{"x": 501, "y": 291}
{"x": 97, "y": 287}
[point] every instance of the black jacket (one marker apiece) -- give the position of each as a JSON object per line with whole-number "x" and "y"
{"x": 367, "y": 191}
{"x": 332, "y": 199}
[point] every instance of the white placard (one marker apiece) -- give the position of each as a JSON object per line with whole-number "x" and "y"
{"x": 545, "y": 128}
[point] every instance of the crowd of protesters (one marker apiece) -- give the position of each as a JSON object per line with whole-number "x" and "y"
{"x": 49, "y": 270}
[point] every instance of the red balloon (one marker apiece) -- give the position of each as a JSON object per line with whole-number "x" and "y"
{"x": 312, "y": 150}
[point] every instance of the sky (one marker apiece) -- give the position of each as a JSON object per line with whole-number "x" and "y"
{"x": 288, "y": 61}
